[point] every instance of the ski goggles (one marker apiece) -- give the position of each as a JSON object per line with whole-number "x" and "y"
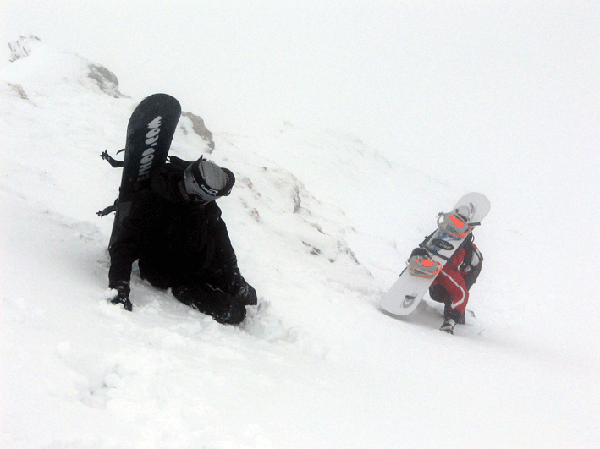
{"x": 198, "y": 177}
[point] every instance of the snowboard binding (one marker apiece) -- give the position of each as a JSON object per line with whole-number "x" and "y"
{"x": 423, "y": 266}
{"x": 454, "y": 224}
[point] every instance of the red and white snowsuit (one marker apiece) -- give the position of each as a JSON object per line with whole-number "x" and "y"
{"x": 451, "y": 287}
{"x": 452, "y": 279}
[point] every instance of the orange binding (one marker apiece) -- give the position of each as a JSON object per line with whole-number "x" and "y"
{"x": 423, "y": 267}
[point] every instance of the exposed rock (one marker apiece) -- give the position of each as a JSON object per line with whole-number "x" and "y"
{"x": 19, "y": 90}
{"x": 200, "y": 128}
{"x": 22, "y": 47}
{"x": 106, "y": 80}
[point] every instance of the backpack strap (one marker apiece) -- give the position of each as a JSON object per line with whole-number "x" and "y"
{"x": 107, "y": 210}
{"x": 178, "y": 162}
{"x": 467, "y": 245}
{"x": 111, "y": 160}
{"x": 471, "y": 250}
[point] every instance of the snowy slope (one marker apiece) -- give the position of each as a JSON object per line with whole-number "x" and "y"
{"x": 321, "y": 224}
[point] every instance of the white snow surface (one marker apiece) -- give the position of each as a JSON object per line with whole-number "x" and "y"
{"x": 322, "y": 225}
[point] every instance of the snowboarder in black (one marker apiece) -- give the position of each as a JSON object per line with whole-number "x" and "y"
{"x": 176, "y": 232}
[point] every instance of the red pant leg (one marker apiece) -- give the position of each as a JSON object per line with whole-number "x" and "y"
{"x": 450, "y": 278}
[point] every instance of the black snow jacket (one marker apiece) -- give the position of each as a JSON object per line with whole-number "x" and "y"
{"x": 176, "y": 242}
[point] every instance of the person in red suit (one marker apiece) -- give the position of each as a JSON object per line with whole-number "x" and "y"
{"x": 451, "y": 286}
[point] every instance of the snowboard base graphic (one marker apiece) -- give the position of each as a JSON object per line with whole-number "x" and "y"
{"x": 149, "y": 135}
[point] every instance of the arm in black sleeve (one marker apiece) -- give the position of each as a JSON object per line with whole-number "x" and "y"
{"x": 234, "y": 282}
{"x": 224, "y": 271}
{"x": 128, "y": 237}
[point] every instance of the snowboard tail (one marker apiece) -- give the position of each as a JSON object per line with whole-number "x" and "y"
{"x": 405, "y": 295}
{"x": 149, "y": 135}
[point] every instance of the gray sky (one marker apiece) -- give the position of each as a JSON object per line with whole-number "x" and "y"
{"x": 462, "y": 81}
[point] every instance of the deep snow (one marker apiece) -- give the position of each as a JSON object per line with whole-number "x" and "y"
{"x": 322, "y": 224}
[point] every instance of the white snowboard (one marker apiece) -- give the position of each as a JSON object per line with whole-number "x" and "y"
{"x": 408, "y": 291}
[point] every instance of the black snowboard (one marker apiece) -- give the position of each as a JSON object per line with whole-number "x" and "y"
{"x": 149, "y": 135}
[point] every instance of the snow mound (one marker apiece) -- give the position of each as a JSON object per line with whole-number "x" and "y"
{"x": 41, "y": 65}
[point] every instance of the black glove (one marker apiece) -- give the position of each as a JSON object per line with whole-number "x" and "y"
{"x": 245, "y": 293}
{"x": 122, "y": 296}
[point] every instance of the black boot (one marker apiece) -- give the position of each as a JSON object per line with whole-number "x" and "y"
{"x": 448, "y": 325}
{"x": 224, "y": 308}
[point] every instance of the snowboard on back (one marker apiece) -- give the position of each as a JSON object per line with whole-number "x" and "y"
{"x": 453, "y": 227}
{"x": 149, "y": 135}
